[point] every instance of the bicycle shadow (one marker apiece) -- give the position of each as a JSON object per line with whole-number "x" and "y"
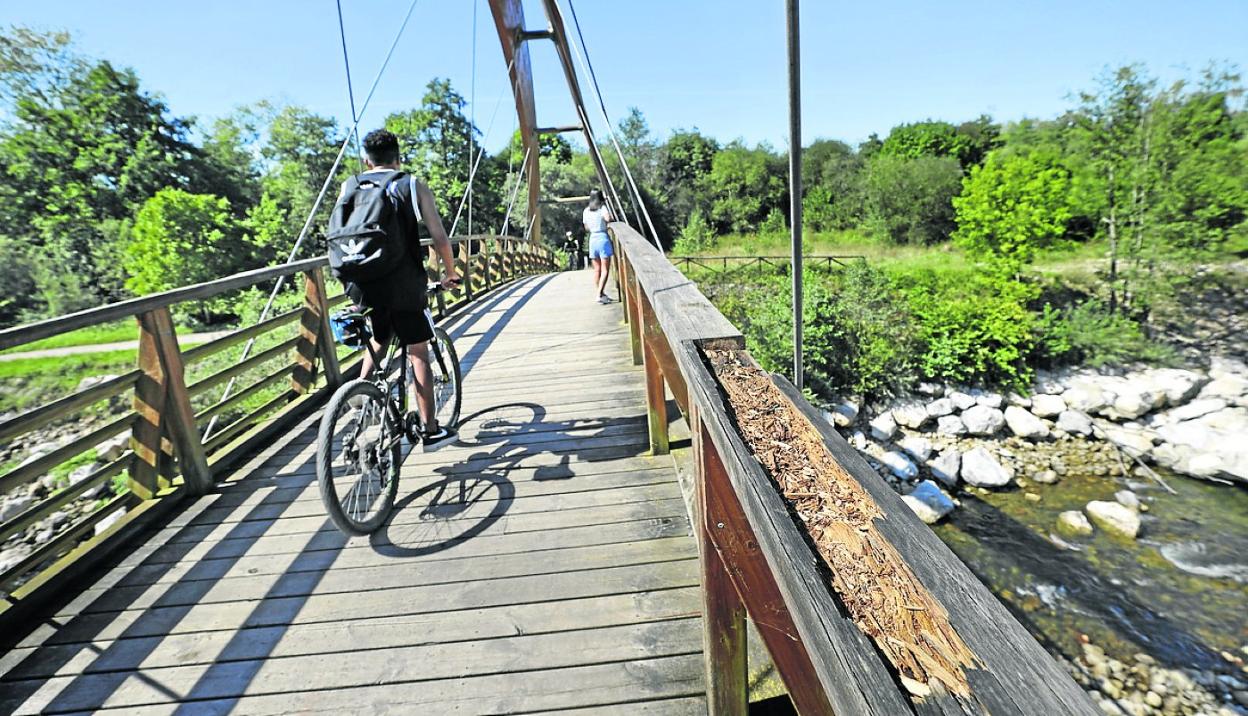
{"x": 474, "y": 493}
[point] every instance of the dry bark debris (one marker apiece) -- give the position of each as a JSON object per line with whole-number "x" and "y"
{"x": 881, "y": 594}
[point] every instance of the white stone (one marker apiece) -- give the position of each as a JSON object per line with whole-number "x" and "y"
{"x": 1074, "y": 422}
{"x": 988, "y": 399}
{"x": 113, "y": 448}
{"x": 82, "y": 472}
{"x": 983, "y": 420}
{"x": 1025, "y": 425}
{"x": 1127, "y": 499}
{"x": 842, "y": 414}
{"x": 934, "y": 390}
{"x": 1047, "y": 406}
{"x": 950, "y": 425}
{"x": 1073, "y": 523}
{"x": 961, "y": 400}
{"x": 104, "y": 524}
{"x": 920, "y": 448}
{"x": 981, "y": 469}
{"x": 1195, "y": 409}
{"x": 1019, "y": 400}
{"x": 911, "y": 415}
{"x": 858, "y": 440}
{"x": 1045, "y": 477}
{"x": 940, "y": 408}
{"x": 1133, "y": 442}
{"x": 1114, "y": 518}
{"x": 929, "y": 502}
{"x": 883, "y": 427}
{"x": 1227, "y": 387}
{"x": 1085, "y": 398}
{"x": 1131, "y": 404}
{"x": 900, "y": 465}
{"x": 1178, "y": 386}
{"x": 946, "y": 467}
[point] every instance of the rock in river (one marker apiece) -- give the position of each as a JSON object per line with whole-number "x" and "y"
{"x": 1025, "y": 425}
{"x": 946, "y": 467}
{"x": 1073, "y": 523}
{"x": 911, "y": 415}
{"x": 883, "y": 427}
{"x": 981, "y": 469}
{"x": 1114, "y": 518}
{"x": 929, "y": 502}
{"x": 920, "y": 448}
{"x": 899, "y": 465}
{"x": 982, "y": 420}
{"x": 937, "y": 408}
{"x": 1047, "y": 406}
{"x": 1074, "y": 422}
{"x": 950, "y": 425}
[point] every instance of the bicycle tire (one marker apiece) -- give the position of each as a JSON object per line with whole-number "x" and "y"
{"x": 388, "y": 475}
{"x": 453, "y": 400}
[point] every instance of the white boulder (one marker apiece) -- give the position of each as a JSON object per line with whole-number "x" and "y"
{"x": 842, "y": 414}
{"x": 1073, "y": 523}
{"x": 946, "y": 467}
{"x": 941, "y": 407}
{"x": 929, "y": 502}
{"x": 1019, "y": 400}
{"x": 983, "y": 420}
{"x": 1047, "y": 406}
{"x": 1178, "y": 386}
{"x": 919, "y": 448}
{"x": 1114, "y": 518}
{"x": 883, "y": 427}
{"x": 1127, "y": 499}
{"x": 961, "y": 400}
{"x": 900, "y": 465}
{"x": 950, "y": 425}
{"x": 1025, "y": 425}
{"x": 1086, "y": 398}
{"x": 1195, "y": 409}
{"x": 1132, "y": 441}
{"x": 987, "y": 398}
{"x": 981, "y": 469}
{"x": 1074, "y": 422}
{"x": 911, "y": 415}
{"x": 1227, "y": 386}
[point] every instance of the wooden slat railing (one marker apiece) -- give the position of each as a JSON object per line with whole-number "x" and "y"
{"x": 177, "y": 393}
{"x": 758, "y": 561}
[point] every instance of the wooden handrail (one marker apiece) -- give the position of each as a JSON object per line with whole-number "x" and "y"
{"x": 757, "y": 560}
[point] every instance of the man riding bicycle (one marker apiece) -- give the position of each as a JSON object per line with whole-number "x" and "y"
{"x": 398, "y": 296}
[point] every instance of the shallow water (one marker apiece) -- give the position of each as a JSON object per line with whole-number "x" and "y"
{"x": 1179, "y": 593}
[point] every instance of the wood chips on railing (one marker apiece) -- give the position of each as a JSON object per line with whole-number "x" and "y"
{"x": 872, "y": 581}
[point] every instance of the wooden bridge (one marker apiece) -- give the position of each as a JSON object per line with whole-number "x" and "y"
{"x": 594, "y": 542}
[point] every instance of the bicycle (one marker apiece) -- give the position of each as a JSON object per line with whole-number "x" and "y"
{"x": 367, "y": 419}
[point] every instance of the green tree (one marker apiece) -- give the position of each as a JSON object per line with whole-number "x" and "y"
{"x": 1011, "y": 206}
{"x": 437, "y": 140}
{"x": 181, "y": 238}
{"x": 909, "y": 201}
{"x": 744, "y": 186}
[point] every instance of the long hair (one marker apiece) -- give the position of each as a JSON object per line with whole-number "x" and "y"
{"x": 595, "y": 200}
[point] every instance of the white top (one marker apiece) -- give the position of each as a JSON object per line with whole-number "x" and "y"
{"x": 595, "y": 220}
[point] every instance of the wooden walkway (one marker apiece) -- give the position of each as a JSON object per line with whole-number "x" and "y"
{"x": 544, "y": 564}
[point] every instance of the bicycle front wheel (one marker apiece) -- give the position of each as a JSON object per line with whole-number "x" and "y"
{"x": 358, "y": 455}
{"x": 444, "y": 361}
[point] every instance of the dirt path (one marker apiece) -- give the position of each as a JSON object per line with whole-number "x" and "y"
{"x": 184, "y": 340}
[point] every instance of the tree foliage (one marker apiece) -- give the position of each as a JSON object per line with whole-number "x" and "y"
{"x": 1011, "y": 206}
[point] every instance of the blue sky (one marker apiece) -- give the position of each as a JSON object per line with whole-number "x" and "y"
{"x": 718, "y": 66}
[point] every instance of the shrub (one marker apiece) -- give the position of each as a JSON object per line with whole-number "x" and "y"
{"x": 909, "y": 201}
{"x": 696, "y": 237}
{"x": 1088, "y": 334}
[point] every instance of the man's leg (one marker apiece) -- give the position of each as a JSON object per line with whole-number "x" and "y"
{"x": 418, "y": 353}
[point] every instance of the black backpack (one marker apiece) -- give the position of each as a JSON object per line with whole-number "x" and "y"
{"x": 365, "y": 237}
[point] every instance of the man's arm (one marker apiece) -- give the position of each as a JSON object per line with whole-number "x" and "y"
{"x": 441, "y": 244}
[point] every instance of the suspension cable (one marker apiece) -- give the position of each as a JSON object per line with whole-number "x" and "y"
{"x": 467, "y": 198}
{"x": 588, "y": 67}
{"x": 320, "y": 197}
{"x": 515, "y": 191}
{"x": 472, "y": 117}
{"x": 346, "y": 61}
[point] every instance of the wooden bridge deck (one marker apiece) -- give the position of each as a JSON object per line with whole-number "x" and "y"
{"x": 544, "y": 564}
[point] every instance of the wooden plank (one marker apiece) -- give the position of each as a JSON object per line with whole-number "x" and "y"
{"x": 203, "y": 350}
{"x": 378, "y": 604}
{"x": 1004, "y": 649}
{"x": 658, "y": 686}
{"x": 335, "y": 637}
{"x": 178, "y": 419}
{"x": 399, "y": 664}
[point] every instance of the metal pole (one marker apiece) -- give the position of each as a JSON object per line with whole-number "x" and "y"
{"x": 795, "y": 181}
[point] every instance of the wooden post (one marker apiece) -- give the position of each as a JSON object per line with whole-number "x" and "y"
{"x": 465, "y": 257}
{"x": 315, "y": 340}
{"x": 633, "y": 308}
{"x": 656, "y": 399}
{"x": 162, "y": 389}
{"x": 723, "y": 614}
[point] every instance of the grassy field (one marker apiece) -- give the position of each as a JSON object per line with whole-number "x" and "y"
{"x": 115, "y": 332}
{"x": 27, "y": 382}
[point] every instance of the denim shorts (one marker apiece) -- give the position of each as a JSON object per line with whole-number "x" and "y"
{"x": 600, "y": 246}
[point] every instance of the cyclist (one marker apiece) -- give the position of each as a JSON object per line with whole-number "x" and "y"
{"x": 399, "y": 298}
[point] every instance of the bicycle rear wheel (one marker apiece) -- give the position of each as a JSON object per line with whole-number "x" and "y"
{"x": 444, "y": 362}
{"x": 358, "y": 455}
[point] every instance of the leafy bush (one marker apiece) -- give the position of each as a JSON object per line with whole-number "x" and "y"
{"x": 1013, "y": 205}
{"x": 1088, "y": 334}
{"x": 696, "y": 237}
{"x": 909, "y": 201}
{"x": 973, "y": 327}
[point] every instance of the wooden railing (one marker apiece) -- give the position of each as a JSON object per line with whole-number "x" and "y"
{"x": 758, "y": 560}
{"x": 779, "y": 263}
{"x": 176, "y": 393}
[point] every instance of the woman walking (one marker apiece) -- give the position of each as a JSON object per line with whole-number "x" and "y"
{"x": 595, "y": 218}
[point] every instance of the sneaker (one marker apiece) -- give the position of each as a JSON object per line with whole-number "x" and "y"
{"x": 438, "y": 438}
{"x": 604, "y": 299}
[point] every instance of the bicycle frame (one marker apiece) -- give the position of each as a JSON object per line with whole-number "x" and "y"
{"x": 396, "y": 350}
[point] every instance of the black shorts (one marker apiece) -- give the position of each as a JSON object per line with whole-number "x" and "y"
{"x": 411, "y": 327}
